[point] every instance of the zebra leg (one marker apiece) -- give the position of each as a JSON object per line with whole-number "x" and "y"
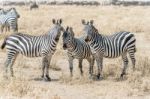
{"x": 10, "y": 61}
{"x": 132, "y": 56}
{"x": 43, "y": 66}
{"x": 100, "y": 66}
{"x": 2, "y": 28}
{"x": 7, "y": 62}
{"x": 8, "y": 28}
{"x": 15, "y": 28}
{"x": 80, "y": 66}
{"x": 71, "y": 66}
{"x": 47, "y": 68}
{"x": 91, "y": 64}
{"x": 125, "y": 64}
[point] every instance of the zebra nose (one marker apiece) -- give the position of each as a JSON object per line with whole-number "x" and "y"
{"x": 86, "y": 40}
{"x": 64, "y": 46}
{"x": 57, "y": 39}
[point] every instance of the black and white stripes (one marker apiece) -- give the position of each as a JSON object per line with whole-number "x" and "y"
{"x": 77, "y": 48}
{"x": 92, "y": 46}
{"x": 33, "y": 46}
{"x": 118, "y": 44}
{"x": 9, "y": 19}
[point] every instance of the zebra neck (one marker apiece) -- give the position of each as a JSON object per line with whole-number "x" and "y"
{"x": 96, "y": 40}
{"x": 51, "y": 39}
{"x": 95, "y": 37}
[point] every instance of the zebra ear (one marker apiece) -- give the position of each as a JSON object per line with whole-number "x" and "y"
{"x": 91, "y": 22}
{"x": 53, "y": 21}
{"x": 67, "y": 28}
{"x": 60, "y": 21}
{"x": 83, "y": 21}
{"x": 71, "y": 31}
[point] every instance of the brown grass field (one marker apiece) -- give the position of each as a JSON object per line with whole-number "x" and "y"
{"x": 108, "y": 19}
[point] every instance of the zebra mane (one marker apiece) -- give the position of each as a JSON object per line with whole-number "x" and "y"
{"x": 94, "y": 29}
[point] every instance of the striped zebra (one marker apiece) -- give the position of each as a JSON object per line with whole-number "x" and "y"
{"x": 2, "y": 12}
{"x": 9, "y": 20}
{"x": 77, "y": 48}
{"x": 34, "y": 5}
{"x": 118, "y": 44}
{"x": 33, "y": 46}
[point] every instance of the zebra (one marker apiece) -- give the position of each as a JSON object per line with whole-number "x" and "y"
{"x": 2, "y": 12}
{"x": 33, "y": 46}
{"x": 113, "y": 46}
{"x": 77, "y": 48}
{"x": 34, "y": 6}
{"x": 9, "y": 20}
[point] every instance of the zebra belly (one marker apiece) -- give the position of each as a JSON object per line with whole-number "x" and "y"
{"x": 79, "y": 55}
{"x": 112, "y": 54}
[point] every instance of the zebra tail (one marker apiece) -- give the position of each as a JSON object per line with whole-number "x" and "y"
{"x": 4, "y": 44}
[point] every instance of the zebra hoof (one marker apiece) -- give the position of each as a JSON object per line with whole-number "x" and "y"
{"x": 122, "y": 76}
{"x": 47, "y": 78}
{"x": 42, "y": 76}
{"x": 98, "y": 76}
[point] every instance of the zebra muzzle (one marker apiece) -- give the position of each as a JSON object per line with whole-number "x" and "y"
{"x": 86, "y": 40}
{"x": 57, "y": 39}
{"x": 64, "y": 46}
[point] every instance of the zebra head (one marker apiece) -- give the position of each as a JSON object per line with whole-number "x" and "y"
{"x": 13, "y": 12}
{"x": 89, "y": 29}
{"x": 57, "y": 29}
{"x": 68, "y": 37}
{"x": 2, "y": 12}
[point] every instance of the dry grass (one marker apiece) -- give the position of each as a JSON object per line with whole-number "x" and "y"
{"x": 108, "y": 19}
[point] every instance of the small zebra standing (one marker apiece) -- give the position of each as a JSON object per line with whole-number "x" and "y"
{"x": 112, "y": 46}
{"x": 77, "y": 48}
{"x": 9, "y": 20}
{"x": 33, "y": 46}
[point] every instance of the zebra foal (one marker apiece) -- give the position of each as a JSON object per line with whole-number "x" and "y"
{"x": 118, "y": 44}
{"x": 33, "y": 46}
{"x": 77, "y": 48}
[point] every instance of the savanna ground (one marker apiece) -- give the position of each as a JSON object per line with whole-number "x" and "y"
{"x": 108, "y": 19}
